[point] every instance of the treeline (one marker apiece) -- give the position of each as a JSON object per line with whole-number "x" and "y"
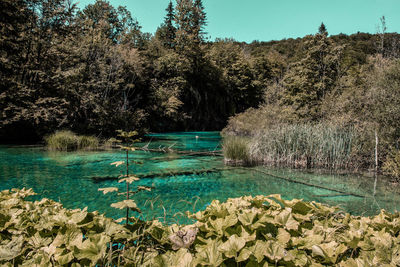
{"x": 336, "y": 104}
{"x": 94, "y": 71}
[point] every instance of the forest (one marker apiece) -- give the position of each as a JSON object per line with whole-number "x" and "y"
{"x": 94, "y": 71}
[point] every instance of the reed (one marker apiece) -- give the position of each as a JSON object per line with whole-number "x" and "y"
{"x": 67, "y": 141}
{"x": 236, "y": 150}
{"x": 304, "y": 145}
{"x": 88, "y": 142}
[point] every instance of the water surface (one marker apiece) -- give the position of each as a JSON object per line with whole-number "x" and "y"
{"x": 182, "y": 181}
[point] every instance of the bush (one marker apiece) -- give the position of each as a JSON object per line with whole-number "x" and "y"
{"x": 236, "y": 150}
{"x": 62, "y": 140}
{"x": 245, "y": 231}
{"x": 392, "y": 165}
{"x": 67, "y": 141}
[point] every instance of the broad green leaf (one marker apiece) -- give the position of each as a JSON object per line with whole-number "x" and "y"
{"x": 108, "y": 190}
{"x": 129, "y": 179}
{"x": 93, "y": 248}
{"x": 244, "y": 254}
{"x": 64, "y": 258}
{"x": 283, "y": 236}
{"x": 247, "y": 217}
{"x": 210, "y": 255}
{"x": 118, "y": 163}
{"x": 127, "y": 203}
{"x": 11, "y": 249}
{"x": 274, "y": 251}
{"x": 286, "y": 219}
{"x": 232, "y": 246}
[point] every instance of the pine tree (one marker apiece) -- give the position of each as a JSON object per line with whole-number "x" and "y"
{"x": 170, "y": 30}
{"x": 199, "y": 20}
{"x": 310, "y": 79}
{"x": 322, "y": 29}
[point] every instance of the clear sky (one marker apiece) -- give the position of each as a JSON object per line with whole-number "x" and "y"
{"x": 265, "y": 20}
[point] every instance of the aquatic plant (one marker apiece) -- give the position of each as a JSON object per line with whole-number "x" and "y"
{"x": 67, "y": 140}
{"x": 305, "y": 145}
{"x": 88, "y": 142}
{"x": 62, "y": 140}
{"x": 245, "y": 231}
{"x": 236, "y": 150}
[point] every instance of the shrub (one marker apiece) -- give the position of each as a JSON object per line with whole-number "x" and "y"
{"x": 392, "y": 164}
{"x": 62, "y": 140}
{"x": 236, "y": 150}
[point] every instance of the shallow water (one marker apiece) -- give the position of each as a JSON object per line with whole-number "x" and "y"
{"x": 68, "y": 177}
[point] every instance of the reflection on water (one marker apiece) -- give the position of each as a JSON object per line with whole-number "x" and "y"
{"x": 182, "y": 182}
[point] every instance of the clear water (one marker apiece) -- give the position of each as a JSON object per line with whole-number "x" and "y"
{"x": 68, "y": 177}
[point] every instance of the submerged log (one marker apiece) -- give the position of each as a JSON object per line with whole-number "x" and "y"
{"x": 311, "y": 185}
{"x": 183, "y": 152}
{"x": 160, "y": 174}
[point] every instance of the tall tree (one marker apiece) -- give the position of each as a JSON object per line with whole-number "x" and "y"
{"x": 308, "y": 80}
{"x": 199, "y": 20}
{"x": 167, "y": 31}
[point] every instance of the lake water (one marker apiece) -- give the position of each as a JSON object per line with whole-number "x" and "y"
{"x": 182, "y": 181}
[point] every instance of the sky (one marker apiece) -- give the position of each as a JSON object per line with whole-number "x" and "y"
{"x": 265, "y": 20}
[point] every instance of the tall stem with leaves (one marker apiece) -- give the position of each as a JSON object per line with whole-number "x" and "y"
{"x": 127, "y": 140}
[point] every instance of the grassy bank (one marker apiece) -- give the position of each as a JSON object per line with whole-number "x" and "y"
{"x": 236, "y": 150}
{"x": 245, "y": 231}
{"x": 297, "y": 145}
{"x": 67, "y": 141}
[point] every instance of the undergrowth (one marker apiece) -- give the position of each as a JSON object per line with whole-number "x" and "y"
{"x": 245, "y": 231}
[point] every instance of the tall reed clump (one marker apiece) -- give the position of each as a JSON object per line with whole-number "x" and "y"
{"x": 236, "y": 150}
{"x": 67, "y": 141}
{"x": 305, "y": 145}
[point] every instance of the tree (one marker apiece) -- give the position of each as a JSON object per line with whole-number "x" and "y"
{"x": 199, "y": 19}
{"x": 167, "y": 31}
{"x": 310, "y": 79}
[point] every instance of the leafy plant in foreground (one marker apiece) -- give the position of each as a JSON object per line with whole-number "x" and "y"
{"x": 128, "y": 204}
{"x": 245, "y": 231}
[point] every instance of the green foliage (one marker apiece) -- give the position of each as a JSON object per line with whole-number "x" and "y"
{"x": 67, "y": 140}
{"x": 128, "y": 204}
{"x": 246, "y": 231}
{"x": 392, "y": 164}
{"x": 236, "y": 150}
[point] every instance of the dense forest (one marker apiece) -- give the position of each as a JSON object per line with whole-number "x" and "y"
{"x": 94, "y": 71}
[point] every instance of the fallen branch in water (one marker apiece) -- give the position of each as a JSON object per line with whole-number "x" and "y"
{"x": 161, "y": 174}
{"x": 308, "y": 184}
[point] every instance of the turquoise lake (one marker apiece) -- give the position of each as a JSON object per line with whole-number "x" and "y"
{"x": 182, "y": 182}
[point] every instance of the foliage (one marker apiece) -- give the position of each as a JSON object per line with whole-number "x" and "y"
{"x": 392, "y": 164}
{"x": 236, "y": 150}
{"x": 93, "y": 71}
{"x": 246, "y": 231}
{"x": 128, "y": 204}
{"x": 67, "y": 140}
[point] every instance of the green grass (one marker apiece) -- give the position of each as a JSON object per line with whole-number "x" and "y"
{"x": 236, "y": 150}
{"x": 67, "y": 141}
{"x": 88, "y": 142}
{"x": 304, "y": 145}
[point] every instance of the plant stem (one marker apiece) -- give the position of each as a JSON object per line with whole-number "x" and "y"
{"x": 127, "y": 184}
